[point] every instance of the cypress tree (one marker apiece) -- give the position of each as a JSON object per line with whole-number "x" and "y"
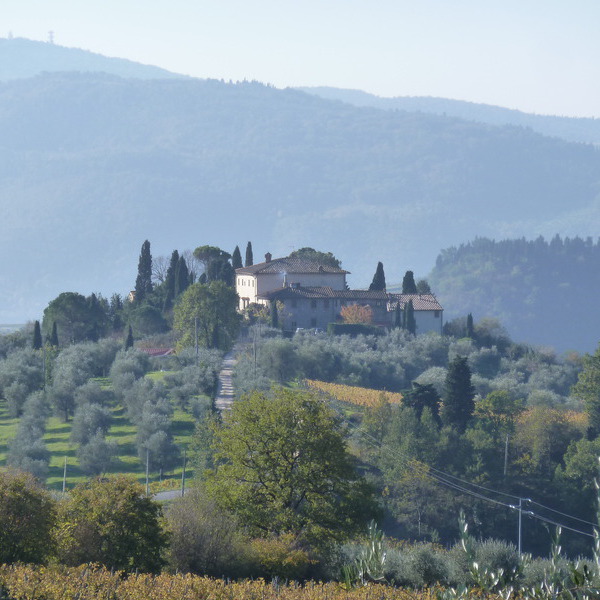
{"x": 470, "y": 328}
{"x": 409, "y": 318}
{"x": 182, "y": 278}
{"x": 171, "y": 273}
{"x": 143, "y": 282}
{"x": 398, "y": 316}
{"x": 378, "y": 282}
{"x": 458, "y": 405}
{"x": 274, "y": 315}
{"x": 37, "y": 336}
{"x": 54, "y": 335}
{"x": 129, "y": 339}
{"x": 249, "y": 257}
{"x": 408, "y": 283}
{"x": 236, "y": 258}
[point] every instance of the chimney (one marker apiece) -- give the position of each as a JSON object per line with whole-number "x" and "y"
{"x": 268, "y": 257}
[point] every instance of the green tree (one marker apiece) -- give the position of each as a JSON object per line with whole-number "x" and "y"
{"x": 27, "y": 519}
{"x": 54, "y": 335}
{"x": 236, "y": 258}
{"x": 283, "y": 467}
{"x": 37, "y": 336}
{"x": 129, "y": 339}
{"x": 378, "y": 282}
{"x": 423, "y": 287}
{"x": 182, "y": 280}
{"x": 216, "y": 264}
{"x": 459, "y": 395}
{"x": 408, "y": 318}
{"x": 470, "y": 329}
{"x": 323, "y": 258}
{"x": 397, "y": 316}
{"x": 408, "y": 283}
{"x": 143, "y": 282}
{"x": 214, "y": 305}
{"x": 423, "y": 396}
{"x": 587, "y": 389}
{"x": 274, "y": 315}
{"x": 249, "y": 257}
{"x": 111, "y": 522}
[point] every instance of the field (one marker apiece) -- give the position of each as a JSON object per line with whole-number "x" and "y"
{"x": 122, "y": 432}
{"x": 358, "y": 396}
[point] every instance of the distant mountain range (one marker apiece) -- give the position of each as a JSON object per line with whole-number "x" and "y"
{"x": 571, "y": 129}
{"x": 21, "y": 58}
{"x": 92, "y": 164}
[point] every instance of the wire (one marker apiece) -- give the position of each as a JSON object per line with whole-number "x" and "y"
{"x": 545, "y": 520}
{"x": 562, "y": 513}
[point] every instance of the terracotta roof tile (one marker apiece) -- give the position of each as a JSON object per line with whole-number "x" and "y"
{"x": 420, "y": 301}
{"x": 289, "y": 265}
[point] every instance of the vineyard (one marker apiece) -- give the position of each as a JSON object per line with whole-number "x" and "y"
{"x": 92, "y": 583}
{"x": 354, "y": 395}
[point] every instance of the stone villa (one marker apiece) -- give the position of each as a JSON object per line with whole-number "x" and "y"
{"x": 312, "y": 295}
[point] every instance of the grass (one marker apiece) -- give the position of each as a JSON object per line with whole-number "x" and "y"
{"x": 122, "y": 431}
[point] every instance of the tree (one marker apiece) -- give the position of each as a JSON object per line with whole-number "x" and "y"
{"x": 397, "y": 316}
{"x": 143, "y": 282}
{"x": 408, "y": 283}
{"x": 408, "y": 318}
{"x": 214, "y": 306}
{"x": 459, "y": 395}
{"x": 54, "y": 335}
{"x": 378, "y": 282}
{"x": 423, "y": 287}
{"x": 170, "y": 280}
{"x": 423, "y": 396}
{"x": 78, "y": 318}
{"x": 97, "y": 455}
{"x": 470, "y": 329}
{"x": 356, "y": 313}
{"x": 216, "y": 264}
{"x": 182, "y": 279}
{"x": 283, "y": 467}
{"x": 236, "y": 258}
{"x": 249, "y": 257}
{"x": 27, "y": 519}
{"x": 587, "y": 389}
{"x": 323, "y": 258}
{"x": 111, "y": 522}
{"x": 129, "y": 339}
{"x": 37, "y": 336}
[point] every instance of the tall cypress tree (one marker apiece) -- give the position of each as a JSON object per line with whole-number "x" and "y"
{"x": 54, "y": 335}
{"x": 182, "y": 279}
{"x": 397, "y": 316}
{"x": 236, "y": 258}
{"x": 378, "y": 282}
{"x": 274, "y": 315}
{"x": 409, "y": 322}
{"x": 470, "y": 328}
{"x": 408, "y": 283}
{"x": 129, "y": 339}
{"x": 143, "y": 282}
{"x": 172, "y": 272}
{"x": 249, "y": 257}
{"x": 459, "y": 393}
{"x": 37, "y": 336}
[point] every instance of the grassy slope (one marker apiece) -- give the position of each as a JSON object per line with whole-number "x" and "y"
{"x": 122, "y": 431}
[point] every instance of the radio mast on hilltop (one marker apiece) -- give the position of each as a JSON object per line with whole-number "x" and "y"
{"x": 51, "y": 37}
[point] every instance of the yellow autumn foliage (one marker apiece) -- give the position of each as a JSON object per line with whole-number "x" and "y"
{"x": 88, "y": 582}
{"x": 354, "y": 394}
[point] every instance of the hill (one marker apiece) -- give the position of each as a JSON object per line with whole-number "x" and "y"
{"x": 92, "y": 164}
{"x": 21, "y": 58}
{"x": 546, "y": 292}
{"x": 584, "y": 130}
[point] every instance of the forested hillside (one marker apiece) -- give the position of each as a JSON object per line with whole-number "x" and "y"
{"x": 91, "y": 164}
{"x": 545, "y": 292}
{"x": 585, "y": 130}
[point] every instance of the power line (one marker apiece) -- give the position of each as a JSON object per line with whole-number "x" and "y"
{"x": 562, "y": 513}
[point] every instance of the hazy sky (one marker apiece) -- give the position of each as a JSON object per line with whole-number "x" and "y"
{"x": 535, "y": 55}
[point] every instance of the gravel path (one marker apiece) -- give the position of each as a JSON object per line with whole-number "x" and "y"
{"x": 225, "y": 394}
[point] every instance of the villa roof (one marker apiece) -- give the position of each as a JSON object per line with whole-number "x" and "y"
{"x": 289, "y": 265}
{"x": 300, "y": 291}
{"x": 420, "y": 301}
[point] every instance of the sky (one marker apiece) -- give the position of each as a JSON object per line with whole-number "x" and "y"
{"x": 539, "y": 56}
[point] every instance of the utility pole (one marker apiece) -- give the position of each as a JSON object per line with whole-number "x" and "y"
{"x": 520, "y": 517}
{"x": 196, "y": 336}
{"x": 65, "y": 477}
{"x": 183, "y": 475}
{"x": 506, "y": 456}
